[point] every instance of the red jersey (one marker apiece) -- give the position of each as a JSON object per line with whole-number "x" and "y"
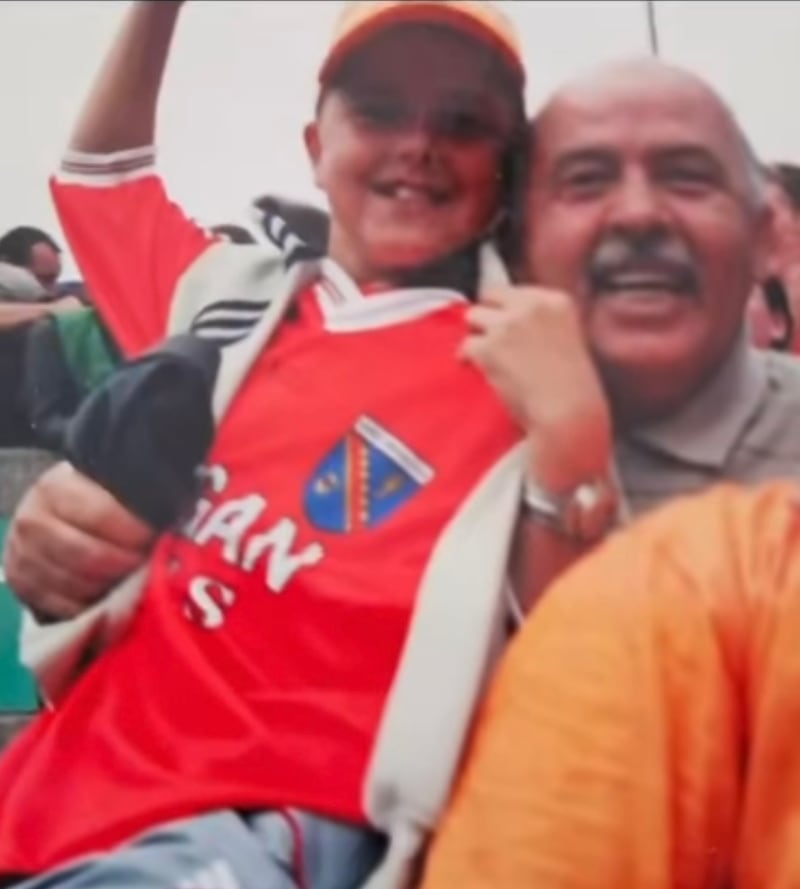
{"x": 256, "y": 669}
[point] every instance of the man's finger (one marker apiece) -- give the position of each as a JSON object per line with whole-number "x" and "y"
{"x": 497, "y": 296}
{"x": 482, "y": 318}
{"x": 473, "y": 349}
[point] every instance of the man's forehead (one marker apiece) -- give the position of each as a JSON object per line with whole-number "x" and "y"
{"x": 624, "y": 111}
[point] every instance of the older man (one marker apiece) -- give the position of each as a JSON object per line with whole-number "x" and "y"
{"x": 647, "y": 217}
{"x": 611, "y": 750}
{"x": 646, "y": 206}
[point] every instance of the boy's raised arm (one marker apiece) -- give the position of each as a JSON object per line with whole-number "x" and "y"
{"x": 120, "y": 111}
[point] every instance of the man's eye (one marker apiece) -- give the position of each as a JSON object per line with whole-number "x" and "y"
{"x": 689, "y": 177}
{"x": 585, "y": 181}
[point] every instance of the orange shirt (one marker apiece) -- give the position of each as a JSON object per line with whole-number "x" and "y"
{"x": 642, "y": 732}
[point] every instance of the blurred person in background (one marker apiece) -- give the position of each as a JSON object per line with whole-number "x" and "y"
{"x": 33, "y": 249}
{"x": 30, "y": 266}
{"x": 769, "y": 316}
{"x": 783, "y": 265}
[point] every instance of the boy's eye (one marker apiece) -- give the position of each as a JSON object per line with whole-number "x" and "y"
{"x": 458, "y": 124}
{"x": 381, "y": 112}
{"x": 465, "y": 125}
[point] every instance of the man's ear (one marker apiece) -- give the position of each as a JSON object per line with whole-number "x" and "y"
{"x": 313, "y": 143}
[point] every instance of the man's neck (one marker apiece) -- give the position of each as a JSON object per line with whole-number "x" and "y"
{"x": 636, "y": 401}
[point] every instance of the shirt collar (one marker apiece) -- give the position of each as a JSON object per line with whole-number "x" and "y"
{"x": 707, "y": 428}
{"x": 346, "y": 307}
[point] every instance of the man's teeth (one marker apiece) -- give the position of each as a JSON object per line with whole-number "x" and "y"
{"x": 641, "y": 282}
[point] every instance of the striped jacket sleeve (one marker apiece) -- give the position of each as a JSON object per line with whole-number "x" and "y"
{"x": 131, "y": 243}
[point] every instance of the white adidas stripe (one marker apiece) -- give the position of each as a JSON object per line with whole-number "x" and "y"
{"x": 231, "y": 313}
{"x": 276, "y": 227}
{"x": 221, "y": 335}
{"x": 231, "y": 325}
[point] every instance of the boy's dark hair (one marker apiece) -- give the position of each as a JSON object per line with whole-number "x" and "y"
{"x": 517, "y": 172}
{"x": 16, "y": 244}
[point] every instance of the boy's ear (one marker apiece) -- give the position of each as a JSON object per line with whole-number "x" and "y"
{"x": 313, "y": 148}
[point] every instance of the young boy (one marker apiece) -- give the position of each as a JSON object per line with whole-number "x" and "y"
{"x": 227, "y": 739}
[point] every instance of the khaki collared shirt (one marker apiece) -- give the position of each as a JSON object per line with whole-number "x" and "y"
{"x": 743, "y": 426}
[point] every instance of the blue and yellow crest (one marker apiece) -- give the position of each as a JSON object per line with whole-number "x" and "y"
{"x": 366, "y": 476}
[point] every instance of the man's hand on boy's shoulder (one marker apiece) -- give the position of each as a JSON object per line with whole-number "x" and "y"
{"x": 69, "y": 542}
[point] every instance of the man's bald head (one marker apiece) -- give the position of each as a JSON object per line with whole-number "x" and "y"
{"x": 646, "y": 203}
{"x": 648, "y": 76}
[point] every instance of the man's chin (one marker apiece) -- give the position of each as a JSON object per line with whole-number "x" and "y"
{"x": 644, "y": 378}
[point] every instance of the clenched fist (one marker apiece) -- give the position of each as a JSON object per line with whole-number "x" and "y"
{"x": 529, "y": 344}
{"x": 68, "y": 544}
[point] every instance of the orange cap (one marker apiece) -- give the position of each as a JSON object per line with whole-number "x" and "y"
{"x": 363, "y": 19}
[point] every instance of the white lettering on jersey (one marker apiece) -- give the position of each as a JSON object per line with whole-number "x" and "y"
{"x": 215, "y": 478}
{"x": 207, "y": 602}
{"x": 282, "y": 564}
{"x": 229, "y": 522}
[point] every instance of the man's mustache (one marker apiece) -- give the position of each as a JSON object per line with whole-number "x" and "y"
{"x": 664, "y": 255}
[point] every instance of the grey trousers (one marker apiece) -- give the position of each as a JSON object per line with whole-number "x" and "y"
{"x": 227, "y": 850}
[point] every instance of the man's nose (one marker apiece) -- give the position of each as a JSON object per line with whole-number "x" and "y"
{"x": 637, "y": 206}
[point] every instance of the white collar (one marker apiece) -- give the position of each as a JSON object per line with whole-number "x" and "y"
{"x": 345, "y": 308}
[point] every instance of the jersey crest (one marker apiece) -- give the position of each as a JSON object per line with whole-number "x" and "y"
{"x": 363, "y": 480}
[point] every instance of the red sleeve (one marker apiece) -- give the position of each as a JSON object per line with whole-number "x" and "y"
{"x": 130, "y": 242}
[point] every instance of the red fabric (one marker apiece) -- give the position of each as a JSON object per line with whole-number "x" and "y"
{"x": 132, "y": 245}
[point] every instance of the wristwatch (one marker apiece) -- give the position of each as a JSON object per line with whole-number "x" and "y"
{"x": 585, "y": 514}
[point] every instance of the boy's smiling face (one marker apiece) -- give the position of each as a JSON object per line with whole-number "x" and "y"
{"x": 407, "y": 145}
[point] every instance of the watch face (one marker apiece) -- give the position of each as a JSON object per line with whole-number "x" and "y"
{"x": 591, "y": 512}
